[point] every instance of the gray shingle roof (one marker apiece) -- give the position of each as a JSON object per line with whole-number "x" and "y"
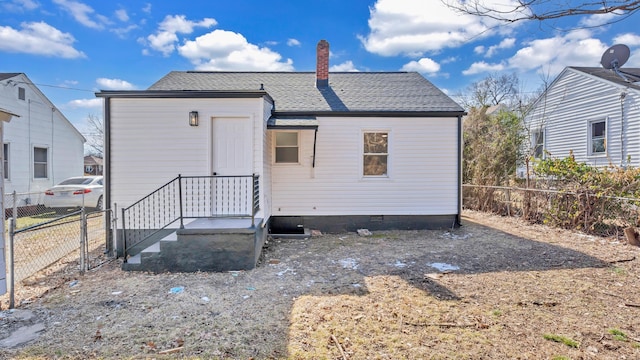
{"x": 632, "y": 75}
{"x": 295, "y": 92}
{"x": 4, "y": 76}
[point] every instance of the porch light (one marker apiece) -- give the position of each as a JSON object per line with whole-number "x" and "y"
{"x": 193, "y": 118}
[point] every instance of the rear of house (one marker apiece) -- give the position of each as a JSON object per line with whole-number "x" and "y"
{"x": 334, "y": 152}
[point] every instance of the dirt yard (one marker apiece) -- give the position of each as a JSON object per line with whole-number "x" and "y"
{"x": 494, "y": 289}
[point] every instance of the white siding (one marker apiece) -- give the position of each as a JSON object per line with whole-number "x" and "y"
{"x": 40, "y": 124}
{"x": 423, "y": 170}
{"x": 265, "y": 155}
{"x": 574, "y": 100}
{"x": 152, "y": 142}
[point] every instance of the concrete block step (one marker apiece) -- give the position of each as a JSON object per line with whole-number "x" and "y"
{"x": 135, "y": 260}
{"x": 154, "y": 248}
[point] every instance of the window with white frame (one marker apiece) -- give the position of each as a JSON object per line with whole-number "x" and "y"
{"x": 597, "y": 137}
{"x": 538, "y": 144}
{"x": 286, "y": 147}
{"x": 5, "y": 160}
{"x": 375, "y": 154}
{"x": 40, "y": 163}
{"x": 21, "y": 93}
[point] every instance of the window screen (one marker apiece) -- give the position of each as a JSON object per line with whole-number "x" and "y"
{"x": 286, "y": 147}
{"x": 376, "y": 147}
{"x": 39, "y": 163}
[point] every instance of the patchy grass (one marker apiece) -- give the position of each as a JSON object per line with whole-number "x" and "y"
{"x": 618, "y": 335}
{"x": 562, "y": 339}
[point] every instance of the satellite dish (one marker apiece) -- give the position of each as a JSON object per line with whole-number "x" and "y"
{"x": 615, "y": 57}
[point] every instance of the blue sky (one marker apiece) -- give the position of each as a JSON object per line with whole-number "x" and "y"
{"x": 71, "y": 49}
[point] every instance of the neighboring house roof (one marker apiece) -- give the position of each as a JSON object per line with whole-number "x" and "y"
{"x": 347, "y": 93}
{"x": 495, "y": 109}
{"x": 92, "y": 160}
{"x": 606, "y": 75}
{"x": 5, "y": 76}
{"x": 27, "y": 81}
{"x": 632, "y": 75}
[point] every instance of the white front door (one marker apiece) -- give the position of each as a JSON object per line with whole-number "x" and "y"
{"x": 232, "y": 150}
{"x": 232, "y": 146}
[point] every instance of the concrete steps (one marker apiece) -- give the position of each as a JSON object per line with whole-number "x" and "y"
{"x": 200, "y": 248}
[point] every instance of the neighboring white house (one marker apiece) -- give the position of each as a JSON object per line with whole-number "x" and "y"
{"x": 334, "y": 152}
{"x": 590, "y": 112}
{"x": 43, "y": 147}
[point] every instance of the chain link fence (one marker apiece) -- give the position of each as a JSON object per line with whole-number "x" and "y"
{"x": 45, "y": 240}
{"x": 586, "y": 211}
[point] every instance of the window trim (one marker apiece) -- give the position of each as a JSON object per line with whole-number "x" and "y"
{"x": 387, "y": 175}
{"x": 590, "y": 138}
{"x": 33, "y": 164}
{"x": 22, "y": 93}
{"x": 7, "y": 168}
{"x": 543, "y": 145}
{"x": 275, "y": 147}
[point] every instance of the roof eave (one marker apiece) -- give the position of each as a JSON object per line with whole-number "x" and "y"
{"x": 193, "y": 94}
{"x": 372, "y": 113}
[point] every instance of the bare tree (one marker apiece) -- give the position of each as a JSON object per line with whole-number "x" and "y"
{"x": 492, "y": 90}
{"x": 95, "y": 137}
{"x": 541, "y": 10}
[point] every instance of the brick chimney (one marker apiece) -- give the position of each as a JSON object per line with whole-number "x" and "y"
{"x": 322, "y": 64}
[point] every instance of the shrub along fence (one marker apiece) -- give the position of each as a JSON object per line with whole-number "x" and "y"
{"x": 586, "y": 211}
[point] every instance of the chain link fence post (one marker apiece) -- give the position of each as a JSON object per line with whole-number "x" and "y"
{"x": 83, "y": 240}
{"x": 112, "y": 236}
{"x": 15, "y": 204}
{"x": 11, "y": 262}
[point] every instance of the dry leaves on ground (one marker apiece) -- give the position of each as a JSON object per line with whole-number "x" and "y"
{"x": 496, "y": 288}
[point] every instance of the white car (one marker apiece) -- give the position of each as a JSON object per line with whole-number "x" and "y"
{"x": 75, "y": 192}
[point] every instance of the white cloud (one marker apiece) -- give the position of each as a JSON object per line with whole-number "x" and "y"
{"x": 293, "y": 42}
{"x": 481, "y": 66}
{"x": 346, "y": 66}
{"x": 423, "y": 66}
{"x": 122, "y": 32}
{"x": 122, "y": 15}
{"x": 82, "y": 13}
{"x": 549, "y": 56}
{"x": 450, "y": 59}
{"x": 114, "y": 84}
{"x": 38, "y": 38}
{"x": 85, "y": 104}
{"x": 413, "y": 27}
{"x": 479, "y": 49}
{"x": 166, "y": 36}
{"x": 598, "y": 19}
{"x": 147, "y": 8}
{"x": 628, "y": 39}
{"x": 227, "y": 50}
{"x": 552, "y": 55}
{"x": 20, "y": 5}
{"x": 504, "y": 44}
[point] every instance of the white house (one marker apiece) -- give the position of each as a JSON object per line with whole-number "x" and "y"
{"x": 335, "y": 152}
{"x": 590, "y": 112}
{"x": 43, "y": 147}
{"x": 5, "y": 116}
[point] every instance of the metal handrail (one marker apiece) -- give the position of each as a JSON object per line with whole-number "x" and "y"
{"x": 188, "y": 197}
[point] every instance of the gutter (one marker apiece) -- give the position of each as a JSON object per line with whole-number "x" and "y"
{"x": 106, "y": 172}
{"x": 460, "y": 142}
